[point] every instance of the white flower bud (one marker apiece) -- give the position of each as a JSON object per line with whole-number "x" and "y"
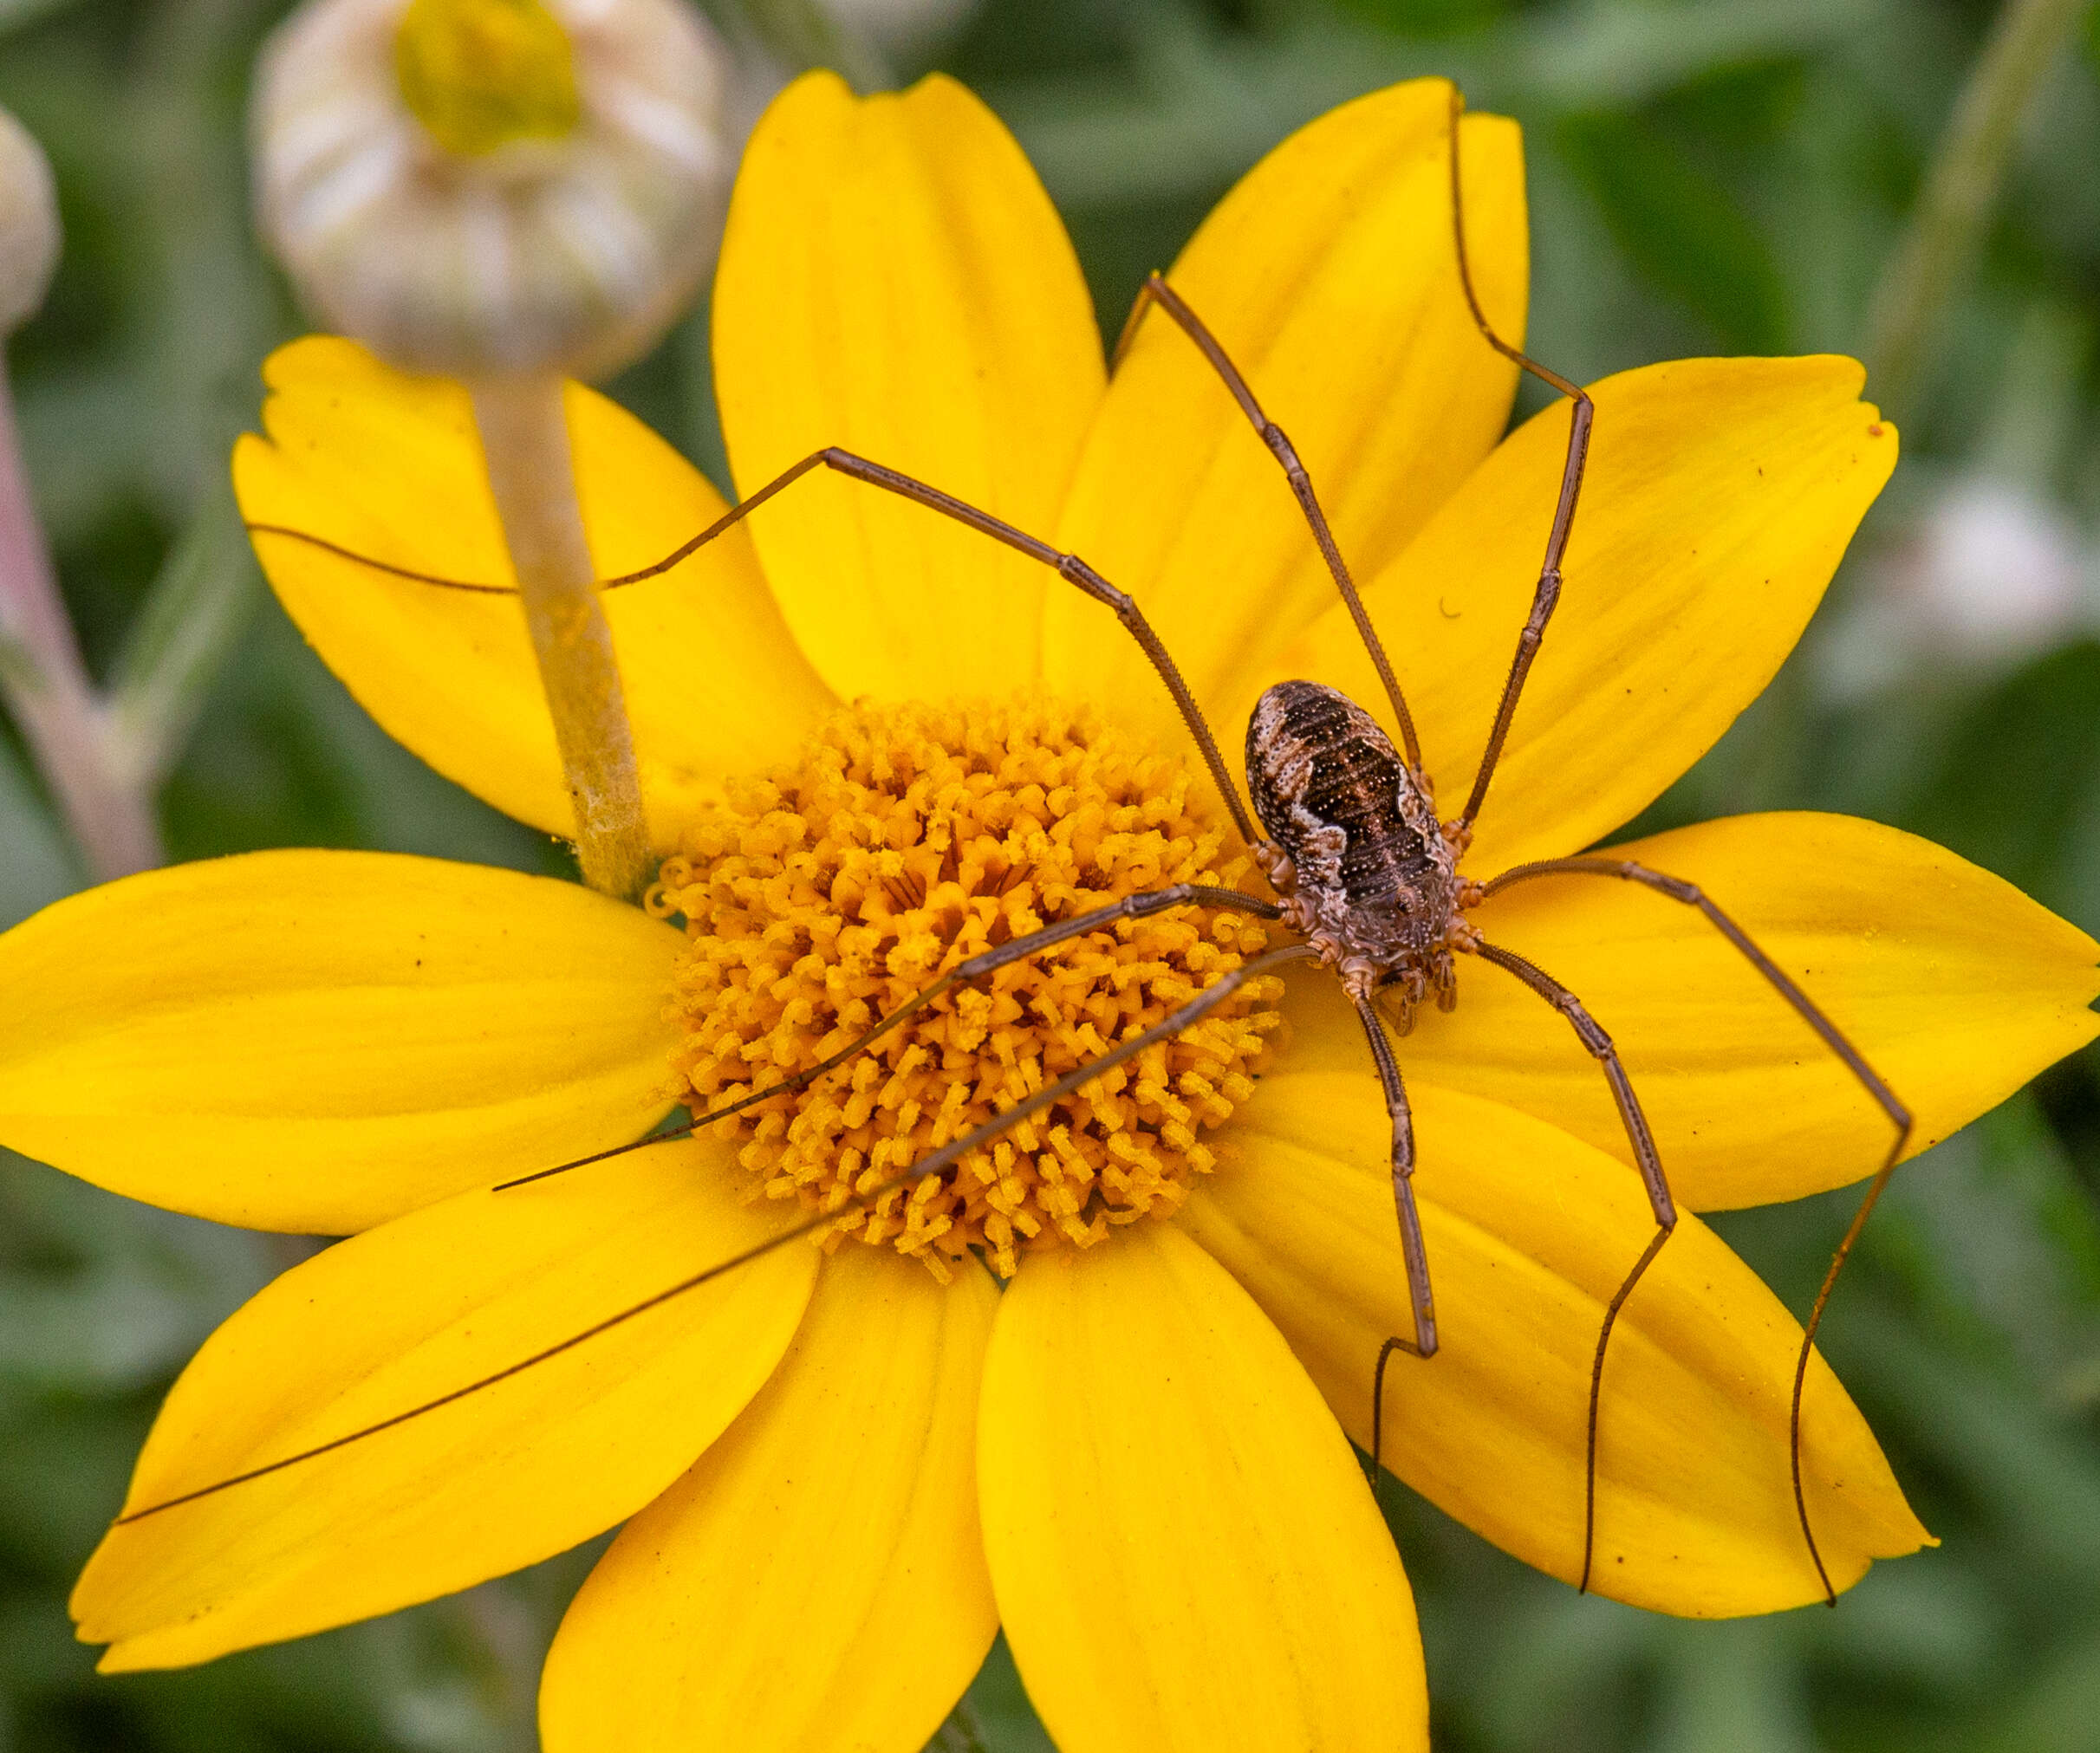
{"x": 478, "y": 187}
{"x": 28, "y": 225}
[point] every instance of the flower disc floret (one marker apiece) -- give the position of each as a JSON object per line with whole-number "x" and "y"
{"x": 480, "y": 74}
{"x": 904, "y": 839}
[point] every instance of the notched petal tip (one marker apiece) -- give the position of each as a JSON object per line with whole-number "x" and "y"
{"x": 1953, "y": 986}
{"x": 1329, "y": 277}
{"x": 895, "y": 282}
{"x": 1529, "y": 1233}
{"x": 1719, "y": 497}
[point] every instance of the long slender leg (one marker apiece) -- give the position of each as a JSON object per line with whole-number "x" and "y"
{"x": 932, "y": 1164}
{"x": 1417, "y": 1258}
{"x": 1854, "y": 1061}
{"x": 1068, "y": 566}
{"x": 1548, "y": 591}
{"x": 1650, "y": 1163}
{"x": 1155, "y": 290}
{"x": 1137, "y": 906}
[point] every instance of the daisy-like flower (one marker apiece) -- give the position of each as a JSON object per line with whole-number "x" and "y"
{"x": 872, "y": 742}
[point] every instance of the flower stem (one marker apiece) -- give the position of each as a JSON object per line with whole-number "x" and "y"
{"x": 525, "y": 434}
{"x": 186, "y": 633}
{"x": 1960, "y": 187}
{"x": 48, "y": 694}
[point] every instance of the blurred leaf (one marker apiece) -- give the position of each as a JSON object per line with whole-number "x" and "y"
{"x": 1683, "y": 231}
{"x": 2017, "y": 787}
{"x": 1930, "y": 1628}
{"x": 1559, "y": 1670}
{"x": 102, "y": 1295}
{"x": 997, "y": 1711}
{"x": 1428, "y": 17}
{"x": 14, "y": 13}
{"x": 2025, "y": 1473}
{"x": 37, "y": 865}
{"x": 2014, "y": 1240}
{"x": 2059, "y": 1713}
{"x": 184, "y": 635}
{"x": 1730, "y": 1688}
{"x": 1608, "y": 52}
{"x": 959, "y": 1734}
{"x": 285, "y": 757}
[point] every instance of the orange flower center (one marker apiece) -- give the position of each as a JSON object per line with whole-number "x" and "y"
{"x": 904, "y": 839}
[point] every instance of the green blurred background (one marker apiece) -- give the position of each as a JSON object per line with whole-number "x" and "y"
{"x": 1706, "y": 176}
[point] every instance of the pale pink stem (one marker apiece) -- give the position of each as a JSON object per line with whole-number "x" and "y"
{"x": 48, "y": 693}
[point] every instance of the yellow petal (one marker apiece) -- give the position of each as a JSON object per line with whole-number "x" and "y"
{"x": 320, "y": 1041}
{"x": 1720, "y": 494}
{"x": 1955, "y": 987}
{"x": 500, "y": 1477}
{"x": 894, "y": 281}
{"x": 1529, "y": 1232}
{"x": 1329, "y": 276}
{"x": 1184, "y": 1550}
{"x": 390, "y": 467}
{"x": 817, "y": 1581}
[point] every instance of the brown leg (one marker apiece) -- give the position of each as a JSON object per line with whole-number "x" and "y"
{"x": 1155, "y": 290}
{"x": 1548, "y": 591}
{"x": 1068, "y": 566}
{"x": 1650, "y": 1164}
{"x": 932, "y": 1164}
{"x": 1416, "y": 1256}
{"x": 1402, "y": 1157}
{"x": 1137, "y": 906}
{"x": 1899, "y": 1116}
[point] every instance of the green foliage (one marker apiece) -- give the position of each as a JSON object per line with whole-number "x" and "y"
{"x": 1679, "y": 229}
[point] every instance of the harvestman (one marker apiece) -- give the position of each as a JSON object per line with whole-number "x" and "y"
{"x": 1366, "y": 873}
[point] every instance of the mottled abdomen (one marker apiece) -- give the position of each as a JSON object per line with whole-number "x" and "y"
{"x": 1371, "y": 868}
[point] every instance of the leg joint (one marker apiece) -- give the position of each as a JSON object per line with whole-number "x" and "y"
{"x": 1074, "y": 570}
{"x": 1675, "y": 887}
{"x": 1591, "y": 1031}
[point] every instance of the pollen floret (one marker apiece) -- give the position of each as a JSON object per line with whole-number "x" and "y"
{"x": 905, "y": 840}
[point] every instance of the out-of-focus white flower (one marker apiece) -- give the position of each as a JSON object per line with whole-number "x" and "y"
{"x": 28, "y": 225}
{"x": 1999, "y": 572}
{"x": 480, "y": 187}
{"x": 1990, "y": 573}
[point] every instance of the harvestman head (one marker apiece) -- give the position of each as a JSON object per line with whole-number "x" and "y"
{"x": 1363, "y": 869}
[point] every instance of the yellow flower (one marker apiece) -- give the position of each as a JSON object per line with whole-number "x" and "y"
{"x": 1134, "y": 1457}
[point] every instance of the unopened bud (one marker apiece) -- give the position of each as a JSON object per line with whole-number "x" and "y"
{"x": 28, "y": 225}
{"x": 480, "y": 186}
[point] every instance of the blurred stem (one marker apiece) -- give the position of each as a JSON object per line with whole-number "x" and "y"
{"x": 524, "y": 433}
{"x": 801, "y": 34}
{"x": 959, "y": 1734}
{"x": 1960, "y": 188}
{"x": 47, "y": 689}
{"x": 199, "y": 607}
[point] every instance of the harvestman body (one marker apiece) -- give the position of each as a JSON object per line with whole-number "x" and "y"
{"x": 1365, "y": 871}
